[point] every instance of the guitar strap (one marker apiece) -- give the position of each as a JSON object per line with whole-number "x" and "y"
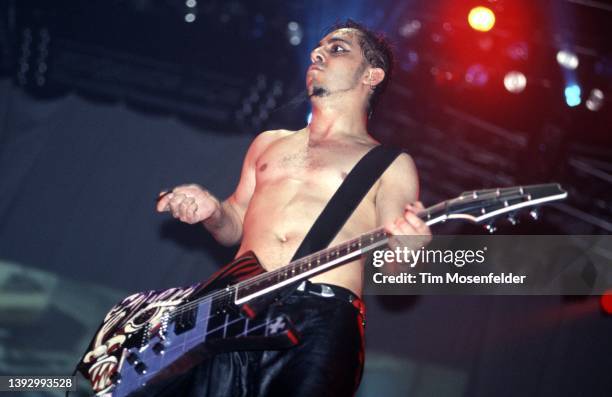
{"x": 346, "y": 199}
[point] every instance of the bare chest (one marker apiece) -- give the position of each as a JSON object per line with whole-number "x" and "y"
{"x": 315, "y": 166}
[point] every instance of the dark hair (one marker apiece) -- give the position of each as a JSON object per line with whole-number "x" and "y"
{"x": 377, "y": 52}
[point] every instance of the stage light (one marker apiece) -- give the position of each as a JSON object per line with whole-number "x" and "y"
{"x": 410, "y": 28}
{"x": 518, "y": 51}
{"x": 606, "y": 301}
{"x": 515, "y": 82}
{"x": 191, "y": 3}
{"x": 410, "y": 61}
{"x": 595, "y": 101}
{"x": 567, "y": 59}
{"x": 476, "y": 75}
{"x": 190, "y": 17}
{"x": 481, "y": 19}
{"x": 572, "y": 95}
{"x": 294, "y": 33}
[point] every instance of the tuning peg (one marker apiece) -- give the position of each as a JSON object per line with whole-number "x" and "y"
{"x": 534, "y": 213}
{"x": 512, "y": 219}
{"x": 490, "y": 227}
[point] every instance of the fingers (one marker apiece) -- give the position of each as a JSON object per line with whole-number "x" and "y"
{"x": 184, "y": 204}
{"x": 416, "y": 224}
{"x": 410, "y": 224}
{"x": 392, "y": 228}
{"x": 162, "y": 201}
{"x": 414, "y": 207}
{"x": 408, "y": 231}
{"x": 189, "y": 203}
{"x": 165, "y": 196}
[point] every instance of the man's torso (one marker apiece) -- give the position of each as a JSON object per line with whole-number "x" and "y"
{"x": 295, "y": 179}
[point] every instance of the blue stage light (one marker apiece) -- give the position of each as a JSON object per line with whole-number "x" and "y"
{"x": 572, "y": 95}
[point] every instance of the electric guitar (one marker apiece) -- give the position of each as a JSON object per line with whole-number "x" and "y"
{"x": 154, "y": 336}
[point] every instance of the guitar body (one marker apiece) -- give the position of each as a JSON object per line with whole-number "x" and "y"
{"x": 154, "y": 336}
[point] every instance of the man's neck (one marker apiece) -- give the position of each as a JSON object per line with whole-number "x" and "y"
{"x": 329, "y": 122}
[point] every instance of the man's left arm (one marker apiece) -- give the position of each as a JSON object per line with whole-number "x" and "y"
{"x": 396, "y": 205}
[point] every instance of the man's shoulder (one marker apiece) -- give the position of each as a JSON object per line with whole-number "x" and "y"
{"x": 267, "y": 137}
{"x": 276, "y": 134}
{"x": 401, "y": 168}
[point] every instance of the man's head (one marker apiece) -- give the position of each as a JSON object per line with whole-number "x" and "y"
{"x": 357, "y": 48}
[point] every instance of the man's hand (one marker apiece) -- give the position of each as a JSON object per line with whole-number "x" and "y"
{"x": 189, "y": 203}
{"x": 413, "y": 232}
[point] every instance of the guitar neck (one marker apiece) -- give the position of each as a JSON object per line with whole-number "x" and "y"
{"x": 320, "y": 261}
{"x": 476, "y": 206}
{"x": 310, "y": 265}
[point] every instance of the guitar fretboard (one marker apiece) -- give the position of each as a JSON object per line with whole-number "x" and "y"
{"x": 310, "y": 265}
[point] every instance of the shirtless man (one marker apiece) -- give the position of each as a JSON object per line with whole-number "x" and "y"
{"x": 289, "y": 176}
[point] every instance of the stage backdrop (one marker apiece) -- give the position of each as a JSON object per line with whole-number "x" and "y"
{"x": 78, "y": 231}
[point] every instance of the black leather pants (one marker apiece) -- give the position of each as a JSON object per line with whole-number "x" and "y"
{"x": 327, "y": 362}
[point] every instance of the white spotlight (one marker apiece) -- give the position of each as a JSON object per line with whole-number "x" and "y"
{"x": 515, "y": 82}
{"x": 595, "y": 101}
{"x": 567, "y": 59}
{"x": 190, "y": 17}
{"x": 294, "y": 33}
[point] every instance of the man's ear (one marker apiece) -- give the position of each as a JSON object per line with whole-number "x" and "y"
{"x": 374, "y": 76}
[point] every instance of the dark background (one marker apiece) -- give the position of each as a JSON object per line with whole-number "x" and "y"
{"x": 105, "y": 103}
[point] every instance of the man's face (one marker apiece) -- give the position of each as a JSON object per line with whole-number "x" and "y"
{"x": 337, "y": 64}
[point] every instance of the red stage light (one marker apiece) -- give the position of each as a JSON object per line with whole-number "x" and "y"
{"x": 606, "y": 301}
{"x": 481, "y": 19}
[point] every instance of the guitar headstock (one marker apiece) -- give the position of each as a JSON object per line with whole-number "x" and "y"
{"x": 483, "y": 206}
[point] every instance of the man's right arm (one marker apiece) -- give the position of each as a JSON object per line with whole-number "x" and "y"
{"x": 193, "y": 204}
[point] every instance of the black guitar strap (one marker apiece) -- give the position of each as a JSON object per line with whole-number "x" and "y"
{"x": 335, "y": 214}
{"x": 346, "y": 199}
